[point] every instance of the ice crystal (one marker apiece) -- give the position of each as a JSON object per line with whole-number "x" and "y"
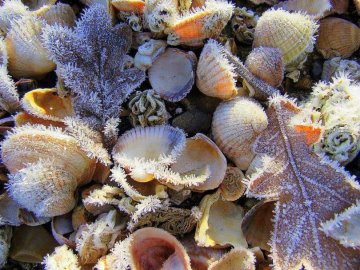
{"x": 308, "y": 190}
{"x": 91, "y": 61}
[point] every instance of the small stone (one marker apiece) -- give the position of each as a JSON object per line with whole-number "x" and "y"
{"x": 193, "y": 121}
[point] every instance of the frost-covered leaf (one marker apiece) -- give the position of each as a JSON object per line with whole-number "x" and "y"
{"x": 309, "y": 190}
{"x": 90, "y": 58}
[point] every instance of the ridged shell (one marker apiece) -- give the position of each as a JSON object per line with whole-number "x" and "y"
{"x": 292, "y": 33}
{"x": 201, "y": 152}
{"x": 237, "y": 258}
{"x": 61, "y": 14}
{"x": 172, "y": 75}
{"x": 135, "y": 6}
{"x": 267, "y": 64}
{"x": 337, "y": 37}
{"x": 140, "y": 149}
{"x": 153, "y": 248}
{"x": 205, "y": 22}
{"x": 23, "y": 118}
{"x": 215, "y": 76}
{"x": 236, "y": 124}
{"x": 27, "y": 56}
{"x": 315, "y": 8}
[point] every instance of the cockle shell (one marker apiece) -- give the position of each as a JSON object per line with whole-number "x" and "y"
{"x": 237, "y": 258}
{"x": 46, "y": 166}
{"x": 219, "y": 223}
{"x": 153, "y": 248}
{"x": 172, "y": 75}
{"x": 236, "y": 124}
{"x": 61, "y": 14}
{"x": 201, "y": 23}
{"x": 215, "y": 76}
{"x": 135, "y": 6}
{"x": 139, "y": 150}
{"x": 27, "y": 56}
{"x": 292, "y": 33}
{"x": 337, "y": 37}
{"x": 267, "y": 64}
{"x": 201, "y": 152}
{"x": 232, "y": 187}
{"x": 148, "y": 52}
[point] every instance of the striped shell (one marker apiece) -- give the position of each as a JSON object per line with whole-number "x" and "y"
{"x": 236, "y": 124}
{"x": 215, "y": 76}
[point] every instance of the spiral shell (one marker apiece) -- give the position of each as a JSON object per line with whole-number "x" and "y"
{"x": 292, "y": 33}
{"x": 267, "y": 64}
{"x": 337, "y": 37}
{"x": 215, "y": 76}
{"x": 236, "y": 124}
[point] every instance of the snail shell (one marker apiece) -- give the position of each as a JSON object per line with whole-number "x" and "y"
{"x": 236, "y": 124}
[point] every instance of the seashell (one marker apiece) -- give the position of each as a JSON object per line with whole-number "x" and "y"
{"x": 335, "y": 66}
{"x": 61, "y": 258}
{"x": 94, "y": 207}
{"x": 215, "y": 76}
{"x": 337, "y": 37}
{"x": 5, "y": 242}
{"x": 237, "y": 258}
{"x": 201, "y": 152}
{"x": 232, "y": 187}
{"x": 292, "y": 33}
{"x": 10, "y": 11}
{"x": 205, "y": 22}
{"x": 60, "y": 226}
{"x": 79, "y": 217}
{"x": 60, "y": 14}
{"x": 357, "y": 5}
{"x": 9, "y": 211}
{"x": 219, "y": 223}
{"x": 47, "y": 105}
{"x": 139, "y": 150}
{"x": 148, "y": 52}
{"x": 243, "y": 24}
{"x": 315, "y": 8}
{"x": 46, "y": 166}
{"x": 172, "y": 75}
{"x": 267, "y": 64}
{"x": 27, "y": 56}
{"x": 23, "y": 118}
{"x": 160, "y": 14}
{"x": 257, "y": 224}
{"x": 135, "y": 6}
{"x": 236, "y": 124}
{"x": 153, "y": 248}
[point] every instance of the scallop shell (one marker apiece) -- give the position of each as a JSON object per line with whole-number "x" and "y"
{"x": 232, "y": 187}
{"x": 201, "y": 23}
{"x": 46, "y": 166}
{"x": 60, "y": 14}
{"x": 337, "y": 37}
{"x": 215, "y": 76}
{"x": 153, "y": 248}
{"x": 202, "y": 152}
{"x": 219, "y": 223}
{"x": 27, "y": 56}
{"x": 172, "y": 75}
{"x": 140, "y": 150}
{"x": 292, "y": 33}
{"x": 236, "y": 124}
{"x": 135, "y": 6}
{"x": 237, "y": 258}
{"x": 267, "y": 64}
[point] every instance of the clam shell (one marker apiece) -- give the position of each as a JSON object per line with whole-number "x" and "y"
{"x": 267, "y": 64}
{"x": 60, "y": 226}
{"x": 232, "y": 187}
{"x": 139, "y": 150}
{"x": 172, "y": 75}
{"x": 292, "y": 33}
{"x": 23, "y": 118}
{"x": 337, "y": 37}
{"x": 59, "y": 14}
{"x": 237, "y": 258}
{"x": 236, "y": 124}
{"x": 315, "y": 8}
{"x": 27, "y": 56}
{"x": 153, "y": 248}
{"x": 215, "y": 76}
{"x": 135, "y": 6}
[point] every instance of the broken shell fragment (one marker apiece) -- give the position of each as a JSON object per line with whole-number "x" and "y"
{"x": 237, "y": 258}
{"x": 267, "y": 64}
{"x": 60, "y": 226}
{"x": 148, "y": 52}
{"x": 153, "y": 248}
{"x": 232, "y": 187}
{"x": 172, "y": 75}
{"x": 219, "y": 223}
{"x": 215, "y": 76}
{"x": 337, "y": 37}
{"x": 236, "y": 124}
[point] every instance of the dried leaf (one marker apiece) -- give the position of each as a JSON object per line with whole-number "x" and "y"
{"x": 310, "y": 190}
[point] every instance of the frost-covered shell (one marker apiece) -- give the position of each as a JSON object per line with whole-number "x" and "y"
{"x": 172, "y": 75}
{"x": 60, "y": 226}
{"x": 267, "y": 64}
{"x": 135, "y": 6}
{"x": 292, "y": 33}
{"x": 236, "y": 124}
{"x": 316, "y": 8}
{"x": 201, "y": 23}
{"x": 148, "y": 52}
{"x": 153, "y": 248}
{"x": 27, "y": 56}
{"x": 23, "y": 118}
{"x": 10, "y": 11}
{"x": 219, "y": 223}
{"x": 46, "y": 104}
{"x": 232, "y": 187}
{"x": 337, "y": 37}
{"x": 215, "y": 76}
{"x": 62, "y": 258}
{"x": 139, "y": 150}
{"x": 160, "y": 14}
{"x": 237, "y": 258}
{"x": 202, "y": 152}
{"x": 60, "y": 14}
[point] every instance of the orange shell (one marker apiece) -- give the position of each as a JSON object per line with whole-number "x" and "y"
{"x": 136, "y": 6}
{"x": 23, "y": 118}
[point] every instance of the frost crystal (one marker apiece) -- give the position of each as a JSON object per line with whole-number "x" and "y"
{"x": 91, "y": 61}
{"x": 61, "y": 258}
{"x": 309, "y": 191}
